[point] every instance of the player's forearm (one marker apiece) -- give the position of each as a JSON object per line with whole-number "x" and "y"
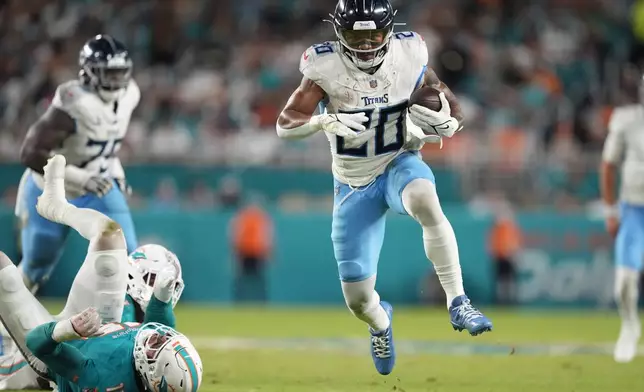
{"x": 33, "y": 157}
{"x": 607, "y": 181}
{"x": 61, "y": 358}
{"x": 295, "y": 125}
{"x": 160, "y": 312}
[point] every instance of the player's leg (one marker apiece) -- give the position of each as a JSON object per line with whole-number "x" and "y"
{"x": 101, "y": 281}
{"x": 114, "y": 205}
{"x": 357, "y": 234}
{"x": 42, "y": 240}
{"x": 411, "y": 190}
{"x": 20, "y": 311}
{"x": 629, "y": 250}
{"x": 16, "y": 374}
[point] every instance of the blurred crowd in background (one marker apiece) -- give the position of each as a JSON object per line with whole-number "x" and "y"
{"x": 537, "y": 80}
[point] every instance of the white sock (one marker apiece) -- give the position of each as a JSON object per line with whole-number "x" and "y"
{"x": 364, "y": 302}
{"x": 627, "y": 294}
{"x": 53, "y": 205}
{"x": 442, "y": 250}
{"x": 87, "y": 222}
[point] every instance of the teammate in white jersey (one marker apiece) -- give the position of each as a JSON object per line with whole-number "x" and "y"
{"x": 364, "y": 80}
{"x": 86, "y": 122}
{"x": 624, "y": 147}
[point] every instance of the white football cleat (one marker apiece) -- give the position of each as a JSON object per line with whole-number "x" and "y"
{"x": 626, "y": 346}
{"x": 51, "y": 203}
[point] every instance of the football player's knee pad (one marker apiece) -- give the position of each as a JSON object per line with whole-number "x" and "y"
{"x": 108, "y": 263}
{"x": 355, "y": 270}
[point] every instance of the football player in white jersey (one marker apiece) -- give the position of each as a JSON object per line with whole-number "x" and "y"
{"x": 364, "y": 80}
{"x": 86, "y": 122}
{"x": 624, "y": 146}
{"x": 118, "y": 286}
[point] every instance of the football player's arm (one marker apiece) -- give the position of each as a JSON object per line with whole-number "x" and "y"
{"x": 613, "y": 151}
{"x": 160, "y": 312}
{"x": 297, "y": 120}
{"x": 159, "y": 309}
{"x": 294, "y": 122}
{"x": 431, "y": 79}
{"x": 45, "y": 135}
{"x": 61, "y": 358}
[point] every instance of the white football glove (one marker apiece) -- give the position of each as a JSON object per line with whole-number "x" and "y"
{"x": 346, "y": 125}
{"x": 82, "y": 325}
{"x": 164, "y": 284}
{"x": 439, "y": 123}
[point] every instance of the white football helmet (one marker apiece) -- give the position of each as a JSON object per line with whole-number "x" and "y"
{"x": 145, "y": 263}
{"x": 166, "y": 360}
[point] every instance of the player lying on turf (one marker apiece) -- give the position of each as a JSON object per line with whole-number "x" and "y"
{"x": 127, "y": 356}
{"x": 145, "y": 264}
{"x": 364, "y": 82}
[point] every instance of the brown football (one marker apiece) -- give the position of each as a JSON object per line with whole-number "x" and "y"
{"x": 426, "y": 96}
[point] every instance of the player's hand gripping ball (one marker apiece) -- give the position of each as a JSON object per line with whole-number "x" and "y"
{"x": 430, "y": 110}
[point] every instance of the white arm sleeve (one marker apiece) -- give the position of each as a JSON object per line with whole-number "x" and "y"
{"x": 614, "y": 145}
{"x": 300, "y": 132}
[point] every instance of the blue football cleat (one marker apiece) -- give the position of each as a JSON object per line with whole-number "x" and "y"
{"x": 382, "y": 345}
{"x": 465, "y": 316}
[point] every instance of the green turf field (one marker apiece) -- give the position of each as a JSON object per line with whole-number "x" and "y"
{"x": 326, "y": 350}
{"x": 273, "y": 349}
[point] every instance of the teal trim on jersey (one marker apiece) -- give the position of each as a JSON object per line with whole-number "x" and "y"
{"x": 8, "y": 370}
{"x": 420, "y": 77}
{"x": 192, "y": 367}
{"x": 163, "y": 386}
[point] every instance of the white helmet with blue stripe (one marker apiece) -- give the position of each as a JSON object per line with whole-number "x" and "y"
{"x": 166, "y": 360}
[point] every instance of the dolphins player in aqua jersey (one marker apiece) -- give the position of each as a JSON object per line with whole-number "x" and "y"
{"x": 146, "y": 263}
{"x": 86, "y": 122}
{"x": 362, "y": 83}
{"x": 117, "y": 356}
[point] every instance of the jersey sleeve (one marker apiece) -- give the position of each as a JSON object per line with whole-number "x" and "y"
{"x": 319, "y": 62}
{"x": 415, "y": 53}
{"x": 419, "y": 49}
{"x": 615, "y": 144}
{"x": 136, "y": 93}
{"x": 66, "y": 99}
{"x": 160, "y": 312}
{"x": 129, "y": 311}
{"x": 62, "y": 359}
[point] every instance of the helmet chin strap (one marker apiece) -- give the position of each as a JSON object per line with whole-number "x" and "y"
{"x": 369, "y": 69}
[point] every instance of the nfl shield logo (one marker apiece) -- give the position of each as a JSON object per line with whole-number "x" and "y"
{"x": 373, "y": 83}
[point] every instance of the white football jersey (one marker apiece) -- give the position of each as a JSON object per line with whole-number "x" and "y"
{"x": 100, "y": 128}
{"x": 382, "y": 96}
{"x": 625, "y": 145}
